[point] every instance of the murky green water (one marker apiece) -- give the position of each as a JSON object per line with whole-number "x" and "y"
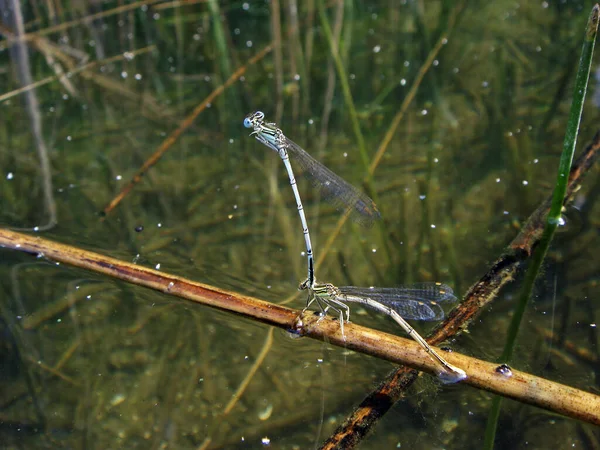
{"x": 474, "y": 154}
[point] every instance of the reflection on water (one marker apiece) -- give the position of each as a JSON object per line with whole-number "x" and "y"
{"x": 88, "y": 362}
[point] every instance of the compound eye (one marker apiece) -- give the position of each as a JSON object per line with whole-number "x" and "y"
{"x": 247, "y": 123}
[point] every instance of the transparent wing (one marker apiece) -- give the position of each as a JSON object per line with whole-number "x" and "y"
{"x": 417, "y": 302}
{"x": 341, "y": 194}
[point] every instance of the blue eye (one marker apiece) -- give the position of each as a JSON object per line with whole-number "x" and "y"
{"x": 247, "y": 123}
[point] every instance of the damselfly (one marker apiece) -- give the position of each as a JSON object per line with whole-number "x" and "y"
{"x": 340, "y": 193}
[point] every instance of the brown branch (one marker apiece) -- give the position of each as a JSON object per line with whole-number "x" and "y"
{"x": 172, "y": 138}
{"x": 378, "y": 402}
{"x": 482, "y": 375}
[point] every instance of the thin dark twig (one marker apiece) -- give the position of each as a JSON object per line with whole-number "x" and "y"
{"x": 504, "y": 269}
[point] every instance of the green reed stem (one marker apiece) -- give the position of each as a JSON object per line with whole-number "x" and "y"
{"x": 339, "y": 66}
{"x": 224, "y": 57}
{"x": 346, "y": 91}
{"x": 554, "y": 215}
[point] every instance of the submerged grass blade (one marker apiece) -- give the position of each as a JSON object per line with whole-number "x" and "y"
{"x": 554, "y": 215}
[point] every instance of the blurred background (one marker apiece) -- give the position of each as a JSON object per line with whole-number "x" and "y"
{"x": 458, "y": 107}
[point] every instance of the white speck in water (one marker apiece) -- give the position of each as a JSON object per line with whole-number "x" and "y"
{"x": 248, "y": 44}
{"x": 422, "y": 197}
{"x": 561, "y": 221}
{"x": 535, "y": 161}
{"x": 237, "y": 31}
{"x": 311, "y": 121}
{"x": 319, "y": 360}
{"x": 435, "y": 160}
{"x": 455, "y": 70}
{"x": 538, "y": 49}
{"x": 424, "y": 112}
{"x": 65, "y": 97}
{"x": 230, "y": 216}
{"x": 9, "y": 176}
{"x": 117, "y": 400}
{"x": 128, "y": 56}
{"x": 265, "y": 441}
{"x": 159, "y": 225}
{"x": 497, "y": 180}
{"x": 266, "y": 413}
{"x": 269, "y": 286}
{"x": 119, "y": 177}
{"x": 58, "y": 320}
{"x": 406, "y": 63}
{"x": 403, "y": 82}
{"x": 138, "y": 76}
{"x": 525, "y": 182}
{"x": 245, "y": 6}
{"x": 374, "y": 250}
{"x": 436, "y": 63}
{"x": 235, "y": 206}
{"x": 545, "y": 5}
{"x": 157, "y": 267}
{"x": 297, "y": 77}
{"x": 444, "y": 41}
{"x": 88, "y": 297}
{"x": 345, "y": 154}
{"x": 92, "y": 43}
{"x": 352, "y": 76}
{"x": 123, "y": 74}
{"x": 506, "y": 213}
{"x": 432, "y": 225}
{"x": 36, "y": 228}
{"x": 231, "y": 141}
{"x": 196, "y": 37}
{"x": 592, "y": 325}
{"x": 156, "y": 16}
{"x": 485, "y": 84}
{"x": 377, "y": 49}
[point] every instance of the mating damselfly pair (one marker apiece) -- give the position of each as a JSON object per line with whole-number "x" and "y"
{"x": 418, "y": 302}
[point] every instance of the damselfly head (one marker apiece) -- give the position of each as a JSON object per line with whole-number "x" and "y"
{"x": 253, "y": 119}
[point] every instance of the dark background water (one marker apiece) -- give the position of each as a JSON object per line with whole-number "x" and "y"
{"x": 475, "y": 152}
